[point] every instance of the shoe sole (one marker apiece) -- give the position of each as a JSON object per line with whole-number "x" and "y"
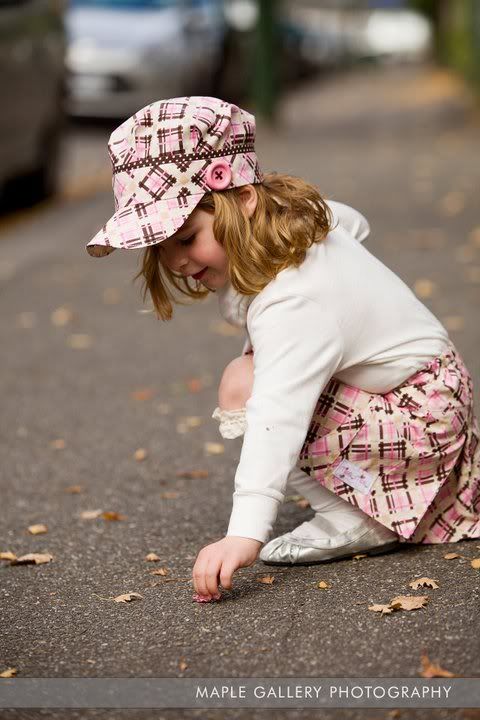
{"x": 388, "y": 547}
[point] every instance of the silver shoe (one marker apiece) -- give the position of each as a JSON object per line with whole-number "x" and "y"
{"x": 371, "y": 538}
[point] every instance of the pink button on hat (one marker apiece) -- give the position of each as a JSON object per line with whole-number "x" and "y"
{"x": 165, "y": 158}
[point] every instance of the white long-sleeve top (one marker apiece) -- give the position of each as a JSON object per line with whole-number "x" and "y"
{"x": 341, "y": 314}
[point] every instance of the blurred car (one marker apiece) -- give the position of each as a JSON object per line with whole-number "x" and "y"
{"x": 32, "y": 89}
{"x": 124, "y": 54}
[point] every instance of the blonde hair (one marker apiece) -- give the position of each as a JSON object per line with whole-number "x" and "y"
{"x": 289, "y": 217}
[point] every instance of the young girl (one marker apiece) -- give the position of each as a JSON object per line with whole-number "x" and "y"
{"x": 348, "y": 388}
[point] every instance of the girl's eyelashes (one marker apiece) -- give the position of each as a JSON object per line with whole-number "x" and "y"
{"x": 187, "y": 241}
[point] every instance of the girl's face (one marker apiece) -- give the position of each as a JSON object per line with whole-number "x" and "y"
{"x": 193, "y": 251}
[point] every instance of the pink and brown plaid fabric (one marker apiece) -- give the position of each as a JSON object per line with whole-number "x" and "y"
{"x": 165, "y": 158}
{"x": 417, "y": 444}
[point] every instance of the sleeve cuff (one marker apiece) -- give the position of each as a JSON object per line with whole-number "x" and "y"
{"x": 253, "y": 516}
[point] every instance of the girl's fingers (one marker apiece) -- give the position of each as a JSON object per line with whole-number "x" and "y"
{"x": 226, "y": 576}
{"x": 211, "y": 576}
{"x": 199, "y": 575}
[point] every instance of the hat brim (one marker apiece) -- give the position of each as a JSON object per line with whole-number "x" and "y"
{"x": 140, "y": 225}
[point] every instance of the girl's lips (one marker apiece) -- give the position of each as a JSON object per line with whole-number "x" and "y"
{"x": 199, "y": 275}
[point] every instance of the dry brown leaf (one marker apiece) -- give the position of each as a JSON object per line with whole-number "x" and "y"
{"x": 431, "y": 670}
{"x": 473, "y": 274}
{"x": 267, "y": 580}
{"x": 152, "y": 557}
{"x": 140, "y": 454}
{"x": 33, "y": 558}
{"x": 214, "y": 448}
{"x": 409, "y": 602}
{"x": 475, "y": 563}
{"x": 192, "y": 474}
{"x": 58, "y": 444}
{"x": 61, "y": 316}
{"x": 452, "y": 556}
{"x": 424, "y": 288}
{"x": 8, "y": 673}
{"x": 160, "y": 571}
{"x": 170, "y": 495}
{"x": 7, "y": 556}
{"x": 128, "y": 597}
{"x": 79, "y": 341}
{"x": 465, "y": 254}
{"x": 360, "y": 556}
{"x": 182, "y": 665}
{"x": 323, "y": 585}
{"x": 142, "y": 394}
{"x": 384, "y": 609}
{"x": 37, "y": 529}
{"x": 90, "y": 514}
{"x": 194, "y": 385}
{"x": 74, "y": 489}
{"x": 423, "y": 582}
{"x": 112, "y": 516}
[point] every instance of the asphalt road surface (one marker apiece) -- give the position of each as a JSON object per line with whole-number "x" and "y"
{"x": 88, "y": 378}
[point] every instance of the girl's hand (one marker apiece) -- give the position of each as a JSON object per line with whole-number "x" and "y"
{"x": 218, "y": 561}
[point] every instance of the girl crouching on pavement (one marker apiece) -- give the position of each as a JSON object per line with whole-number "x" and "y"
{"x": 349, "y": 391}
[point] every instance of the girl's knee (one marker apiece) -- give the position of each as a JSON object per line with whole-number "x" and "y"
{"x": 236, "y": 384}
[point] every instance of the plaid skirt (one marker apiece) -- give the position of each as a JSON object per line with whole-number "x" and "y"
{"x": 409, "y": 458}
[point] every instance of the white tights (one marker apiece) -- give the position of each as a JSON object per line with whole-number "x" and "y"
{"x": 333, "y": 515}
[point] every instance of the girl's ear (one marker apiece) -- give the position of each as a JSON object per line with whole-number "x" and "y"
{"x": 249, "y": 197}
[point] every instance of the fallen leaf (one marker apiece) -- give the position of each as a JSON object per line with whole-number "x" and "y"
{"x": 431, "y": 670}
{"x": 384, "y": 609}
{"x": 187, "y": 423}
{"x": 61, "y": 316}
{"x": 465, "y": 254}
{"x": 360, "y": 556}
{"x": 194, "y": 385}
{"x": 213, "y": 448}
{"x": 452, "y": 556}
{"x": 323, "y": 585}
{"x": 37, "y": 529}
{"x": 394, "y": 714}
{"x": 152, "y": 557}
{"x": 182, "y": 665}
{"x": 170, "y": 495}
{"x": 292, "y": 498}
{"x": 160, "y": 571}
{"x": 26, "y": 320}
{"x": 8, "y": 673}
{"x": 90, "y": 514}
{"x": 192, "y": 474}
{"x": 409, "y": 602}
{"x": 58, "y": 444}
{"x": 79, "y": 341}
{"x": 423, "y": 582}
{"x": 128, "y": 597}
{"x": 112, "y": 516}
{"x": 202, "y": 599}
{"x": 33, "y": 558}
{"x": 142, "y": 394}
{"x": 74, "y": 489}
{"x": 424, "y": 288}
{"x": 140, "y": 454}
{"x": 267, "y": 580}
{"x": 111, "y": 296}
{"x": 475, "y": 563}
{"x": 7, "y": 556}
